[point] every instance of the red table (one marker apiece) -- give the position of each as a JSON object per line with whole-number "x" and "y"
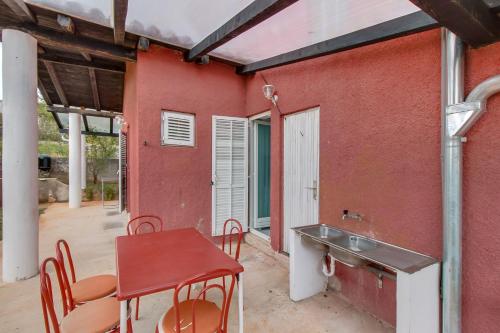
{"x": 154, "y": 262}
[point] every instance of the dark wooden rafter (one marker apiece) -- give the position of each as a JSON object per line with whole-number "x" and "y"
{"x": 86, "y": 56}
{"x": 95, "y": 90}
{"x": 58, "y": 121}
{"x": 65, "y": 130}
{"x": 402, "y": 26}
{"x": 472, "y": 20}
{"x": 56, "y": 83}
{"x": 77, "y": 44}
{"x": 117, "y": 68}
{"x": 249, "y": 17}
{"x": 43, "y": 91}
{"x": 85, "y": 122}
{"x": 21, "y": 10}
{"x": 119, "y": 17}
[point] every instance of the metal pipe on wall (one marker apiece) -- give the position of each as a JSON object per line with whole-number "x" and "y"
{"x": 458, "y": 117}
{"x": 453, "y": 82}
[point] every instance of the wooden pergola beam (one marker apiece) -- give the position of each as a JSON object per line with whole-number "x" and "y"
{"x": 86, "y": 112}
{"x": 249, "y": 17}
{"x": 77, "y": 44}
{"x": 86, "y": 56}
{"x": 21, "y": 10}
{"x": 43, "y": 91}
{"x": 472, "y": 20}
{"x": 119, "y": 17}
{"x": 398, "y": 27}
{"x": 118, "y": 68}
{"x": 95, "y": 90}
{"x": 56, "y": 83}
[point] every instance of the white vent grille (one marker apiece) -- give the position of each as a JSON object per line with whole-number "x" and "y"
{"x": 177, "y": 129}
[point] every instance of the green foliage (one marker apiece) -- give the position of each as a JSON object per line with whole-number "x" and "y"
{"x": 53, "y": 149}
{"x": 109, "y": 191}
{"x": 47, "y": 127}
{"x": 99, "y": 149}
{"x": 89, "y": 193}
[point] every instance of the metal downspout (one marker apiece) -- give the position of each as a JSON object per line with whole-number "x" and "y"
{"x": 453, "y": 93}
{"x": 457, "y": 118}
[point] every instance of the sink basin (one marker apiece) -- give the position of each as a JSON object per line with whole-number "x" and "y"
{"x": 323, "y": 232}
{"x": 358, "y": 244}
{"x": 356, "y": 250}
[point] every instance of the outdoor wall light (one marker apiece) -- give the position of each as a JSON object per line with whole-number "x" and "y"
{"x": 270, "y": 93}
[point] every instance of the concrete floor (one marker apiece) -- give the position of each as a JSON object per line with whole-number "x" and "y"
{"x": 91, "y": 231}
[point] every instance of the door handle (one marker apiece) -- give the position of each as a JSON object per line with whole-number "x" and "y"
{"x": 314, "y": 188}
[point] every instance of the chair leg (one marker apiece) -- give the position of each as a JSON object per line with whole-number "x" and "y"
{"x": 129, "y": 325}
{"x": 137, "y": 308}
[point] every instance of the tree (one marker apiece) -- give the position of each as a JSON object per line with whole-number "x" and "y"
{"x": 47, "y": 127}
{"x": 99, "y": 150}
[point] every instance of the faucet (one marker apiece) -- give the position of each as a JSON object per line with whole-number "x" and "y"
{"x": 346, "y": 215}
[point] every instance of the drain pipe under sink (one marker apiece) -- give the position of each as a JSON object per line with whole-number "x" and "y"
{"x": 457, "y": 118}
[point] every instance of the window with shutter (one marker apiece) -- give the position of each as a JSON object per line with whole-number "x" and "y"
{"x": 177, "y": 129}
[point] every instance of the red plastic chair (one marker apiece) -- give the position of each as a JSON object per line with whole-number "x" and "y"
{"x": 98, "y": 316}
{"x": 235, "y": 231}
{"x": 199, "y": 315}
{"x": 143, "y": 224}
{"x": 87, "y": 289}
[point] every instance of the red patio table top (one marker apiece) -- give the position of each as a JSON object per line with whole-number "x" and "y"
{"x": 149, "y": 263}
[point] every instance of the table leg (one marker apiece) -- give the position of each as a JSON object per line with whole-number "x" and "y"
{"x": 123, "y": 316}
{"x": 240, "y": 302}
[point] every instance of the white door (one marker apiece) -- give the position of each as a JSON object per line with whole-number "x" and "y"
{"x": 301, "y": 171}
{"x": 229, "y": 171}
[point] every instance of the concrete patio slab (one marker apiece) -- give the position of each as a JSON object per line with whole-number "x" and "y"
{"x": 91, "y": 230}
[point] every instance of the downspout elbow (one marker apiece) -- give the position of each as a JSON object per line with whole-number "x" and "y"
{"x": 480, "y": 94}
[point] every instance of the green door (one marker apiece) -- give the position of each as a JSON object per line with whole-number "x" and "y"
{"x": 263, "y": 174}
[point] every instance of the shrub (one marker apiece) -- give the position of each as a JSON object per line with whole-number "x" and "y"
{"x": 89, "y": 193}
{"x": 109, "y": 192}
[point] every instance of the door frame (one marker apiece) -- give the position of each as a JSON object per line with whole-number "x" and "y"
{"x": 244, "y": 223}
{"x": 252, "y": 160}
{"x": 283, "y": 180}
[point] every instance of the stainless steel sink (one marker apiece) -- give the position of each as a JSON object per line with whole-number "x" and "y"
{"x": 356, "y": 250}
{"x": 323, "y": 232}
{"x": 359, "y": 244}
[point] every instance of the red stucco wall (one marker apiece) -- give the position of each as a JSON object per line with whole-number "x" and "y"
{"x": 174, "y": 182}
{"x": 379, "y": 155}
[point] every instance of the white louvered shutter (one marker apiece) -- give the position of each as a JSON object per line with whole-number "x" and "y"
{"x": 229, "y": 171}
{"x": 177, "y": 129}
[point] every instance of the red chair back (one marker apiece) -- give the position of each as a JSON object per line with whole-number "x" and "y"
{"x": 226, "y": 296}
{"x": 60, "y": 255}
{"x": 235, "y": 231}
{"x": 49, "y": 313}
{"x": 144, "y": 224}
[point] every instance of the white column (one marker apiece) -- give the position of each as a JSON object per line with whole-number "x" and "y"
{"x": 84, "y": 163}
{"x": 20, "y": 156}
{"x": 75, "y": 163}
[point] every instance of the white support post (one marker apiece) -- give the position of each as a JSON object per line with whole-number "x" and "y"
{"x": 84, "y": 163}
{"x": 417, "y": 301}
{"x": 306, "y": 263}
{"x": 75, "y": 164}
{"x": 20, "y": 151}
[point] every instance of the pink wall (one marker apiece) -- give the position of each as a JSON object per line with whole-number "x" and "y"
{"x": 174, "y": 182}
{"x": 379, "y": 155}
